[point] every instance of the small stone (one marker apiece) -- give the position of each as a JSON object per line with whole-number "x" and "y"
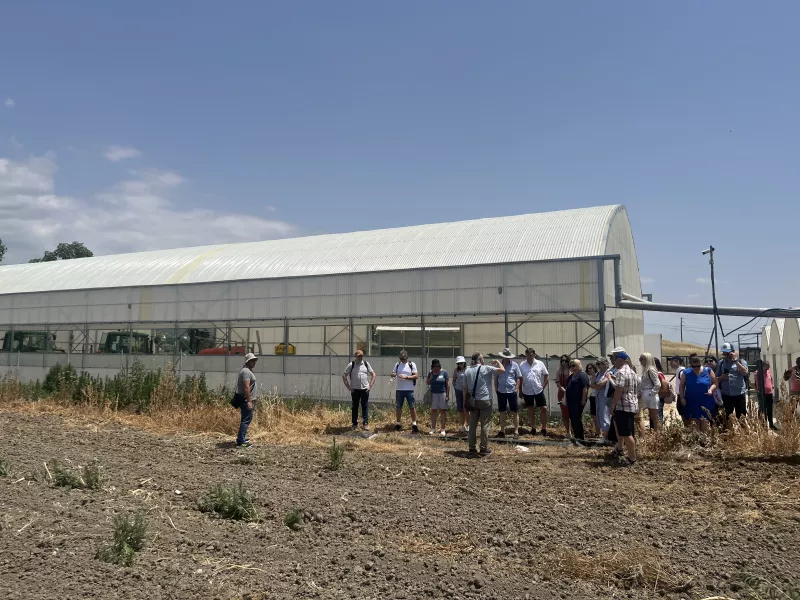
{"x": 369, "y": 566}
{"x": 477, "y": 583}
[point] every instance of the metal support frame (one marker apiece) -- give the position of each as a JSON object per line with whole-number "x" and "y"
{"x": 505, "y": 320}
{"x": 601, "y": 292}
{"x": 350, "y": 347}
{"x": 617, "y": 281}
{"x": 285, "y": 343}
{"x": 423, "y": 345}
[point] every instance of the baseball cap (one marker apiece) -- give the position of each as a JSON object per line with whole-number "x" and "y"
{"x": 727, "y": 348}
{"x": 623, "y": 355}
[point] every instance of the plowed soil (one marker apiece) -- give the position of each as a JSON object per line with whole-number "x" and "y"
{"x": 417, "y": 521}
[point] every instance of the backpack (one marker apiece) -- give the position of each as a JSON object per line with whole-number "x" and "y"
{"x": 413, "y": 368}
{"x": 664, "y": 391}
{"x": 353, "y": 366}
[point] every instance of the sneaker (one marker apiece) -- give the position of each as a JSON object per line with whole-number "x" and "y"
{"x": 432, "y": 432}
{"x": 397, "y": 427}
{"x": 473, "y": 451}
{"x": 355, "y": 427}
{"x": 501, "y": 434}
{"x": 365, "y": 427}
{"x": 414, "y": 428}
{"x": 516, "y": 434}
{"x": 485, "y": 452}
{"x": 544, "y": 432}
{"x": 443, "y": 433}
{"x": 464, "y": 429}
{"x": 533, "y": 431}
{"x": 245, "y": 444}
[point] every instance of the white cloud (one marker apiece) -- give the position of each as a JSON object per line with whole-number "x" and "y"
{"x": 118, "y": 153}
{"x": 142, "y": 212}
{"x": 10, "y": 103}
{"x": 703, "y": 280}
{"x": 648, "y": 280}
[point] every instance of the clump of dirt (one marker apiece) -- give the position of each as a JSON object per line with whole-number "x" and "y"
{"x": 401, "y": 518}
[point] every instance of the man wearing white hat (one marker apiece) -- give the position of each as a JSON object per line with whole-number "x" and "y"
{"x": 732, "y": 376}
{"x": 508, "y": 388}
{"x": 247, "y": 390}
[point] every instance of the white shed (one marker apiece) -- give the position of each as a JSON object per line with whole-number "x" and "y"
{"x": 546, "y": 280}
{"x": 780, "y": 345}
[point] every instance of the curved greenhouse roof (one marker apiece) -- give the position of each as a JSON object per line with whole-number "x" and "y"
{"x": 565, "y": 234}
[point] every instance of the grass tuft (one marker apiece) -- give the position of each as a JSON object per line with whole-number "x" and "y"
{"x": 92, "y": 476}
{"x": 759, "y": 588}
{"x": 64, "y": 477}
{"x": 335, "y": 456}
{"x": 5, "y": 469}
{"x": 128, "y": 540}
{"x": 293, "y": 519}
{"x": 235, "y": 503}
{"x": 244, "y": 459}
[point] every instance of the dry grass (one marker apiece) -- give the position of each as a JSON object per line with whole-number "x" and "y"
{"x": 755, "y": 439}
{"x": 670, "y": 348}
{"x": 640, "y": 567}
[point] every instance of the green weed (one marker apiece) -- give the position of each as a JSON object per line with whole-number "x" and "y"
{"x": 293, "y": 519}
{"x": 335, "y": 456}
{"x": 5, "y": 469}
{"x": 235, "y": 503}
{"x": 128, "y": 540}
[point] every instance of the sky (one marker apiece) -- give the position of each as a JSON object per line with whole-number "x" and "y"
{"x": 135, "y": 126}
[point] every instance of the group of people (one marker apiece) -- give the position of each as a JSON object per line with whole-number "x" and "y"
{"x": 703, "y": 393}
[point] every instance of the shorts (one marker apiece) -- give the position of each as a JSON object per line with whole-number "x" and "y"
{"x": 438, "y": 401}
{"x": 592, "y": 406}
{"x": 535, "y": 399}
{"x": 624, "y": 423}
{"x": 735, "y": 404}
{"x": 507, "y": 399}
{"x": 650, "y": 400}
{"x": 400, "y": 396}
{"x": 459, "y": 400}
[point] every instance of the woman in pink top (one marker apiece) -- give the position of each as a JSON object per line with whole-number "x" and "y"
{"x": 768, "y": 394}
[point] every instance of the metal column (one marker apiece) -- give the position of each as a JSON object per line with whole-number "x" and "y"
{"x": 601, "y": 292}
{"x": 422, "y": 337}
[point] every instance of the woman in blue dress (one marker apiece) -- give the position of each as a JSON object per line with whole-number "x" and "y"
{"x": 697, "y": 393}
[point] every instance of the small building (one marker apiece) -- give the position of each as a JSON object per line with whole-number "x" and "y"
{"x": 547, "y": 280}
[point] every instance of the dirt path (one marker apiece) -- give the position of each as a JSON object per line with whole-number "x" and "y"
{"x": 420, "y": 522}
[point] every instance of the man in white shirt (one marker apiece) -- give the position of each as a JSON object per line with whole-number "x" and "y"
{"x": 535, "y": 378}
{"x": 359, "y": 377}
{"x": 405, "y": 373}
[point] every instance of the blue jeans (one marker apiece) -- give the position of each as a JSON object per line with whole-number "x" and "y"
{"x": 247, "y": 416}
{"x": 401, "y": 396}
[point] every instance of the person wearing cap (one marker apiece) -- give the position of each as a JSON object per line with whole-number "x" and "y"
{"x": 732, "y": 376}
{"x": 246, "y": 388}
{"x": 458, "y": 385}
{"x": 535, "y": 378}
{"x": 359, "y": 377}
{"x": 478, "y": 399}
{"x": 405, "y": 373}
{"x": 508, "y": 389}
{"x": 625, "y": 405}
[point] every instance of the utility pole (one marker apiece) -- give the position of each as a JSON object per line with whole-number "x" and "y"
{"x": 681, "y": 330}
{"x": 710, "y": 252}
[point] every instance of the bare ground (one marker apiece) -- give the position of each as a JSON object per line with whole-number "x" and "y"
{"x": 401, "y": 519}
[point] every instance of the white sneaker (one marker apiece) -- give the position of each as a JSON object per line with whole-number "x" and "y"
{"x": 432, "y": 432}
{"x": 442, "y": 432}
{"x": 464, "y": 429}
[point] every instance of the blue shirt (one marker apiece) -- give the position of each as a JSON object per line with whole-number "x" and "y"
{"x": 438, "y": 381}
{"x": 507, "y": 382}
{"x": 736, "y": 384}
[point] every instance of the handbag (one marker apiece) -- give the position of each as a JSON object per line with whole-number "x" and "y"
{"x": 470, "y": 402}
{"x": 238, "y": 400}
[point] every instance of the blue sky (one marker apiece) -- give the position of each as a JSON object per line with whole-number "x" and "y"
{"x": 158, "y": 124}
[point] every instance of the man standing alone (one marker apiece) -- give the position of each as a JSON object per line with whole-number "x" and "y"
{"x": 478, "y": 399}
{"x": 247, "y": 391}
{"x": 534, "y": 381}
{"x": 359, "y": 378}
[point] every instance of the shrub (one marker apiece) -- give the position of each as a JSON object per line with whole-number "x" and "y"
{"x": 128, "y": 540}
{"x": 60, "y": 378}
{"x": 235, "y": 503}
{"x": 293, "y": 519}
{"x": 335, "y": 456}
{"x": 92, "y": 476}
{"x": 64, "y": 477}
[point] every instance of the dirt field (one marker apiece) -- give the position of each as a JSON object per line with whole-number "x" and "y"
{"x": 401, "y": 519}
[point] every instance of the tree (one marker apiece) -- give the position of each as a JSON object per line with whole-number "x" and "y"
{"x": 65, "y": 251}
{"x": 2, "y": 250}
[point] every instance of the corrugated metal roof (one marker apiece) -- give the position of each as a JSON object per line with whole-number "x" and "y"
{"x": 522, "y": 238}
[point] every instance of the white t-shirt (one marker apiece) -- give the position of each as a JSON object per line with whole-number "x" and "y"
{"x": 408, "y": 369}
{"x": 533, "y": 377}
